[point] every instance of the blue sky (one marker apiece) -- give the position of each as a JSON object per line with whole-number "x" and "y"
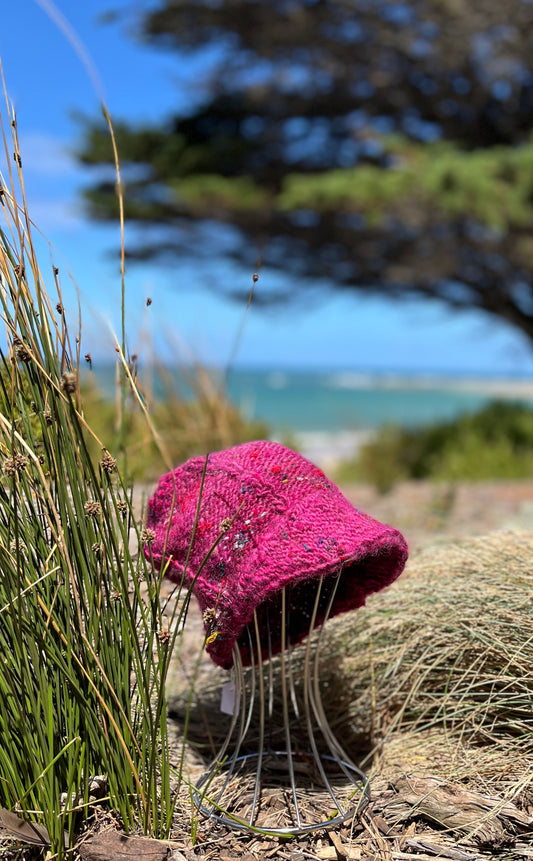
{"x": 48, "y": 82}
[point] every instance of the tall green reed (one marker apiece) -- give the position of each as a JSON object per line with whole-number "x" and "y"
{"x": 85, "y": 644}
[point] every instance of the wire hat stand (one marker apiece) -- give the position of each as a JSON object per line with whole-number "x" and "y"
{"x": 281, "y": 770}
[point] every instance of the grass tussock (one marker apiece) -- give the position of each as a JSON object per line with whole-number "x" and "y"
{"x": 85, "y": 642}
{"x": 438, "y": 669}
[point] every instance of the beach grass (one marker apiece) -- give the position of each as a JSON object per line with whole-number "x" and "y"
{"x": 85, "y": 642}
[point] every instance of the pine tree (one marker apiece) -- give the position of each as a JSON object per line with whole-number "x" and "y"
{"x": 380, "y": 144}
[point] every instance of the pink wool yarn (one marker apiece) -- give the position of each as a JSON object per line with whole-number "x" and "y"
{"x": 267, "y": 519}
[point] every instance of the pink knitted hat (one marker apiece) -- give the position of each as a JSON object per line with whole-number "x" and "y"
{"x": 268, "y": 519}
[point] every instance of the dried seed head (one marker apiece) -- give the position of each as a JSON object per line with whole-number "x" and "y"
{"x": 108, "y": 463}
{"x": 147, "y": 536}
{"x": 164, "y": 636}
{"x": 59, "y": 308}
{"x": 123, "y": 507}
{"x": 116, "y": 595}
{"x": 209, "y": 616}
{"x": 148, "y": 301}
{"x": 18, "y": 552}
{"x": 93, "y": 509}
{"x": 15, "y": 464}
{"x": 47, "y": 415}
{"x": 69, "y": 383}
{"x": 21, "y": 351}
{"x": 226, "y": 524}
{"x": 56, "y": 271}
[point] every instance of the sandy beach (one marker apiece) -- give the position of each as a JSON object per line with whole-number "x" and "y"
{"x": 327, "y": 449}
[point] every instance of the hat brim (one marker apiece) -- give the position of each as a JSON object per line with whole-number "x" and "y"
{"x": 349, "y": 553}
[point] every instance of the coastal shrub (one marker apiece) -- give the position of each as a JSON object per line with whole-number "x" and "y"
{"x": 494, "y": 443}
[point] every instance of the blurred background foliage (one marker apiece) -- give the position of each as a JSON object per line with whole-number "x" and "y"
{"x": 186, "y": 426}
{"x": 494, "y": 443}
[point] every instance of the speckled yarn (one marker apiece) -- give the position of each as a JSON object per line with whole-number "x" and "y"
{"x": 268, "y": 519}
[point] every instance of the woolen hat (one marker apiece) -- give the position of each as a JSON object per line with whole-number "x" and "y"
{"x": 243, "y": 524}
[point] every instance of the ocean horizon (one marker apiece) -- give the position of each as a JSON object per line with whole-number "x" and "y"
{"x": 327, "y": 414}
{"x": 344, "y": 401}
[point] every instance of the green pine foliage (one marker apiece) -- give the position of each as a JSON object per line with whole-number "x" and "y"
{"x": 494, "y": 186}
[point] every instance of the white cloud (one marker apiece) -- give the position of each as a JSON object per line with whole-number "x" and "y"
{"x": 44, "y": 154}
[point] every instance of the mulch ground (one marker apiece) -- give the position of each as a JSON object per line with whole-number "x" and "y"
{"x": 413, "y": 815}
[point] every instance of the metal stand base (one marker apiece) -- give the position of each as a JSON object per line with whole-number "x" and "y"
{"x": 280, "y": 770}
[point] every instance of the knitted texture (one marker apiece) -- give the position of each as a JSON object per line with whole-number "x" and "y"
{"x": 268, "y": 519}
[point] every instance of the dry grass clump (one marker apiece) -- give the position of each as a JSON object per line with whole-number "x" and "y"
{"x": 438, "y": 670}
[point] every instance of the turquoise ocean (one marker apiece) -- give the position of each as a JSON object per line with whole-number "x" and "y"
{"x": 330, "y": 413}
{"x": 349, "y": 400}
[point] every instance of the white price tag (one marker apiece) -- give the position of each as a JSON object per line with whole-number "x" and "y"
{"x": 229, "y": 704}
